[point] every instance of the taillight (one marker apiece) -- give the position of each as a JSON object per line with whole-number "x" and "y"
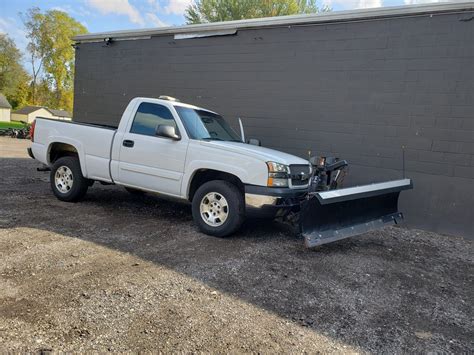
{"x": 32, "y": 131}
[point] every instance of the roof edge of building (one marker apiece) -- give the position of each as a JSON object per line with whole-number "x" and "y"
{"x": 326, "y": 17}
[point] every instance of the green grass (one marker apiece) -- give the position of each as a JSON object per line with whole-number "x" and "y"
{"x": 12, "y": 124}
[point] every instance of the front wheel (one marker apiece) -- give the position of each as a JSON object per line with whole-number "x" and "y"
{"x": 218, "y": 208}
{"x": 67, "y": 182}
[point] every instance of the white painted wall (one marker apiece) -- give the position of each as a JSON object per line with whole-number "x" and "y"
{"x": 32, "y": 116}
{"x": 5, "y": 114}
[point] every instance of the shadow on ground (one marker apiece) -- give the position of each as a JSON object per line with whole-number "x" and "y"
{"x": 378, "y": 292}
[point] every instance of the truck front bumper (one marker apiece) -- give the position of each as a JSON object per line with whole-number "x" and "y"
{"x": 270, "y": 202}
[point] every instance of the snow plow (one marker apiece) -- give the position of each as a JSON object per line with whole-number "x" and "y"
{"x": 329, "y": 213}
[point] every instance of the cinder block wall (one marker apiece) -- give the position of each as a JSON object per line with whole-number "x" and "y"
{"x": 357, "y": 90}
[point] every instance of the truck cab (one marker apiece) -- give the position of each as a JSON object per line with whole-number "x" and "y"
{"x": 168, "y": 147}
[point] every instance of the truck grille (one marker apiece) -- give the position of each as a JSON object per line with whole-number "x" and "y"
{"x": 299, "y": 174}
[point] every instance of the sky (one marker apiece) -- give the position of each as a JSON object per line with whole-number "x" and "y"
{"x": 112, "y": 15}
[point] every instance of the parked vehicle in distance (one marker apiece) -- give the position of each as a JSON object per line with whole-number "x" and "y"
{"x": 17, "y": 131}
{"x": 190, "y": 153}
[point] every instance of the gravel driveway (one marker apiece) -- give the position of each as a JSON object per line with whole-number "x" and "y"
{"x": 120, "y": 272}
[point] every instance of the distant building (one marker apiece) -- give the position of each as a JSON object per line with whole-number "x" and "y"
{"x": 29, "y": 113}
{"x": 61, "y": 114}
{"x": 5, "y": 109}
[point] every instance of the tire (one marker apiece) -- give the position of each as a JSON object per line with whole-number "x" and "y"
{"x": 133, "y": 191}
{"x": 66, "y": 187}
{"x": 228, "y": 211}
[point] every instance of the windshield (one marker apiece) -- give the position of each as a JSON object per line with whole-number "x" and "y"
{"x": 205, "y": 125}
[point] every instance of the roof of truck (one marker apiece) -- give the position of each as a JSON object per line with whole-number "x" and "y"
{"x": 231, "y": 27}
{"x": 183, "y": 104}
{"x": 177, "y": 103}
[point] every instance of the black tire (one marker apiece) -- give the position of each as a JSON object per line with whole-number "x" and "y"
{"x": 134, "y": 191}
{"x": 79, "y": 185}
{"x": 235, "y": 208}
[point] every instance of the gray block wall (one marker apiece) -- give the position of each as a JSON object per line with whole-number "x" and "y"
{"x": 358, "y": 90}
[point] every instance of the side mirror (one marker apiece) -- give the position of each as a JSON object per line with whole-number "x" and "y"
{"x": 254, "y": 141}
{"x": 167, "y": 132}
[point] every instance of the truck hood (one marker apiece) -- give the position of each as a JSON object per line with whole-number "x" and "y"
{"x": 264, "y": 154}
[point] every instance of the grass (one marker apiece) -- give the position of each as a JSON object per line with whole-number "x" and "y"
{"x": 12, "y": 124}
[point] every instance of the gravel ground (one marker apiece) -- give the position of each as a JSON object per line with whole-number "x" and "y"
{"x": 125, "y": 273}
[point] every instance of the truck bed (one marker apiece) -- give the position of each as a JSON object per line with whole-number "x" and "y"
{"x": 93, "y": 143}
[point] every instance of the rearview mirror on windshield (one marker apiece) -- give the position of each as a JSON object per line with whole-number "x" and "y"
{"x": 167, "y": 132}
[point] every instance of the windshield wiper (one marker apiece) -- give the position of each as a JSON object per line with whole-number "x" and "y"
{"x": 220, "y": 139}
{"x": 211, "y": 139}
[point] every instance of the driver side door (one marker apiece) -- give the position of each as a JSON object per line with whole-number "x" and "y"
{"x": 147, "y": 160}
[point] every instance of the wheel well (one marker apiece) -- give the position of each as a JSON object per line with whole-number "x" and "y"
{"x": 204, "y": 175}
{"x": 59, "y": 150}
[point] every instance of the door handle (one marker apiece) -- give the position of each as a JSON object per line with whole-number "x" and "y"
{"x": 128, "y": 143}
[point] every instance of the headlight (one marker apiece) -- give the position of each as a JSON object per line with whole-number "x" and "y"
{"x": 278, "y": 174}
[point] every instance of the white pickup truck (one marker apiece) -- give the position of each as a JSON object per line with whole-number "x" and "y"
{"x": 190, "y": 153}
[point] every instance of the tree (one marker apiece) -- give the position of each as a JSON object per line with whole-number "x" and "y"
{"x": 203, "y": 11}
{"x": 13, "y": 77}
{"x": 32, "y": 21}
{"x": 50, "y": 48}
{"x": 44, "y": 96}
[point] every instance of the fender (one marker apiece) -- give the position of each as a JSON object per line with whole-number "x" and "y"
{"x": 197, "y": 165}
{"x": 75, "y": 143}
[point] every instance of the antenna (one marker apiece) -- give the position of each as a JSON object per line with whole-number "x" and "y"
{"x": 242, "y": 134}
{"x": 403, "y": 160}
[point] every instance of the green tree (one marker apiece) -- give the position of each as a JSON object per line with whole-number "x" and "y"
{"x": 32, "y": 21}
{"x": 202, "y": 11}
{"x": 51, "y": 52}
{"x": 13, "y": 77}
{"x": 44, "y": 95}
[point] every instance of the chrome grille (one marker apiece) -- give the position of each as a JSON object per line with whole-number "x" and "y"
{"x": 299, "y": 174}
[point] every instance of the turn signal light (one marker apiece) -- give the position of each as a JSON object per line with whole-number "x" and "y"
{"x": 278, "y": 175}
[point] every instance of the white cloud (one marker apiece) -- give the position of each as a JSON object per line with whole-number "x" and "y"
{"x": 365, "y": 4}
{"x": 10, "y": 27}
{"x": 155, "y": 20}
{"x": 354, "y": 4}
{"x": 155, "y": 4}
{"x": 169, "y": 7}
{"x": 118, "y": 7}
{"x": 177, "y": 7}
{"x": 73, "y": 11}
{"x": 59, "y": 8}
{"x": 3, "y": 25}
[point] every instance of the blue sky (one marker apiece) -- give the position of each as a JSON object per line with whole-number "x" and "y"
{"x": 110, "y": 15}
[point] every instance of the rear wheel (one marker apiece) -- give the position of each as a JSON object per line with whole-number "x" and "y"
{"x": 67, "y": 181}
{"x": 218, "y": 208}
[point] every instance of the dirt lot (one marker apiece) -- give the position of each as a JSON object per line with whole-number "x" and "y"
{"x": 119, "y": 272}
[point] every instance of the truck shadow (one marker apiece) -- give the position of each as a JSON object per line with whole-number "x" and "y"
{"x": 356, "y": 290}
